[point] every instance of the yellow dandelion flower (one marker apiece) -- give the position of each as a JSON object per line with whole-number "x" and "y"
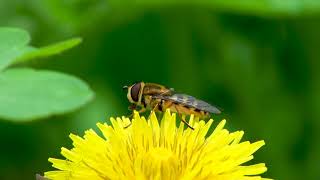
{"x": 147, "y": 150}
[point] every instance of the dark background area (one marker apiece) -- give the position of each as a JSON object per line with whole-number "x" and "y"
{"x": 258, "y": 60}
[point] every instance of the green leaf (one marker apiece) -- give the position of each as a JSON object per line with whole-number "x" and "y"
{"x": 12, "y": 41}
{"x": 27, "y": 94}
{"x": 14, "y": 47}
{"x": 32, "y": 53}
{"x": 253, "y": 7}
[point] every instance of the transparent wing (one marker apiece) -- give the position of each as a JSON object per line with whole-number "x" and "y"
{"x": 191, "y": 102}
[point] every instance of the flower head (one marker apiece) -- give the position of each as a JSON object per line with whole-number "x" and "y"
{"x": 147, "y": 150}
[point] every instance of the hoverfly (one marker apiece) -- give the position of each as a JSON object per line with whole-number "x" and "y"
{"x": 159, "y": 98}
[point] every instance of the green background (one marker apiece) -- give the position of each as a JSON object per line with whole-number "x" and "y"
{"x": 257, "y": 60}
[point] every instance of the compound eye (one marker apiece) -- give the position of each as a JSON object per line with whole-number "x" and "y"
{"x": 135, "y": 92}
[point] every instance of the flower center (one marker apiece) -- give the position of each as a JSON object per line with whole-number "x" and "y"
{"x": 160, "y": 162}
{"x": 160, "y": 154}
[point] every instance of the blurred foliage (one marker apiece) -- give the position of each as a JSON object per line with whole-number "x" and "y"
{"x": 258, "y": 60}
{"x": 26, "y": 94}
{"x": 14, "y": 47}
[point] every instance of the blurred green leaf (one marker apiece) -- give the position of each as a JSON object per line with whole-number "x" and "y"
{"x": 27, "y": 94}
{"x": 13, "y": 37}
{"x": 261, "y": 7}
{"x": 12, "y": 42}
{"x": 32, "y": 53}
{"x": 14, "y": 48}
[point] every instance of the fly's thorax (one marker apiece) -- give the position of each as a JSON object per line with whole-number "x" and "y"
{"x": 151, "y": 88}
{"x": 156, "y": 89}
{"x": 150, "y": 102}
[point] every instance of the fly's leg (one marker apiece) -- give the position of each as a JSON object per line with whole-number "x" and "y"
{"x": 133, "y": 107}
{"x": 185, "y": 122}
{"x": 153, "y": 109}
{"x": 182, "y": 119}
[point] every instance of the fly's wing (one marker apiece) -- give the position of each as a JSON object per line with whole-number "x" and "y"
{"x": 191, "y": 102}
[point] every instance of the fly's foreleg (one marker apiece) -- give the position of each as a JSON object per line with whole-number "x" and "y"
{"x": 182, "y": 119}
{"x": 134, "y": 107}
